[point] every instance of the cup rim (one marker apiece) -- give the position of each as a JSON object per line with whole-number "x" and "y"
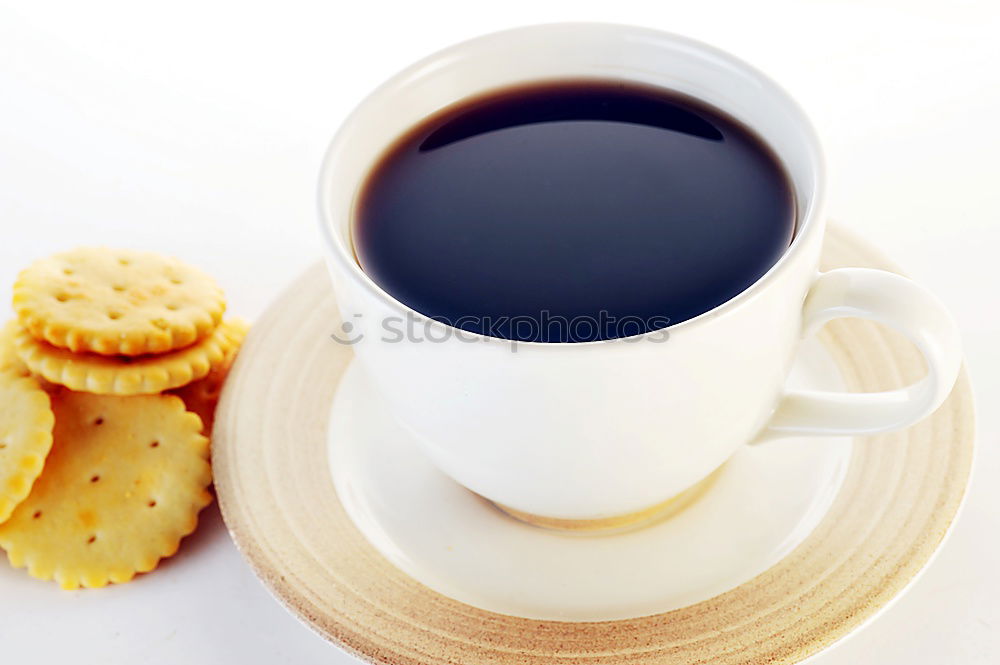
{"x": 805, "y": 224}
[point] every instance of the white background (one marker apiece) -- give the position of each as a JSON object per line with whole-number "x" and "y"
{"x": 196, "y": 129}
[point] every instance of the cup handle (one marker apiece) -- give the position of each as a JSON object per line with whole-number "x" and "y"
{"x": 894, "y": 301}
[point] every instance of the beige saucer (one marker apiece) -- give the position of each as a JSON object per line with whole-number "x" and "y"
{"x": 893, "y": 509}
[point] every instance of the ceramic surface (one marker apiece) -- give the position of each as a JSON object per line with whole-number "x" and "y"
{"x": 898, "y": 497}
{"x": 626, "y": 423}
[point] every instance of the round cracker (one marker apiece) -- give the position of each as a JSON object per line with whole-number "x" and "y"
{"x": 26, "y": 423}
{"x": 122, "y": 486}
{"x": 127, "y": 375}
{"x": 117, "y": 302}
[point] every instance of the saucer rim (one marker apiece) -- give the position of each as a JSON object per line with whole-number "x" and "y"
{"x": 311, "y": 294}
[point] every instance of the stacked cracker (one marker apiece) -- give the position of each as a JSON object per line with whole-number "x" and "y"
{"x": 102, "y": 471}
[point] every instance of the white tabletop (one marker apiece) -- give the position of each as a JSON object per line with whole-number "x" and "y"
{"x": 196, "y": 129}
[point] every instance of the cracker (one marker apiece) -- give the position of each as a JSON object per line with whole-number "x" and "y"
{"x": 123, "y": 484}
{"x": 26, "y": 422}
{"x": 127, "y": 375}
{"x": 117, "y": 302}
{"x": 202, "y": 396}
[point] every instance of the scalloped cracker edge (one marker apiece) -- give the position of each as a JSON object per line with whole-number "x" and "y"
{"x": 26, "y": 423}
{"x": 124, "y": 375}
{"x": 123, "y": 484}
{"x": 117, "y": 301}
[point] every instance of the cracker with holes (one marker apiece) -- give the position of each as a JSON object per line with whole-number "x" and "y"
{"x": 117, "y": 302}
{"x": 122, "y": 486}
{"x": 130, "y": 375}
{"x": 26, "y": 423}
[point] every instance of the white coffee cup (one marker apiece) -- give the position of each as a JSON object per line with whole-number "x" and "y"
{"x": 588, "y": 431}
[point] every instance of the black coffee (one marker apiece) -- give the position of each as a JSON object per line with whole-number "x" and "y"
{"x": 573, "y": 211}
